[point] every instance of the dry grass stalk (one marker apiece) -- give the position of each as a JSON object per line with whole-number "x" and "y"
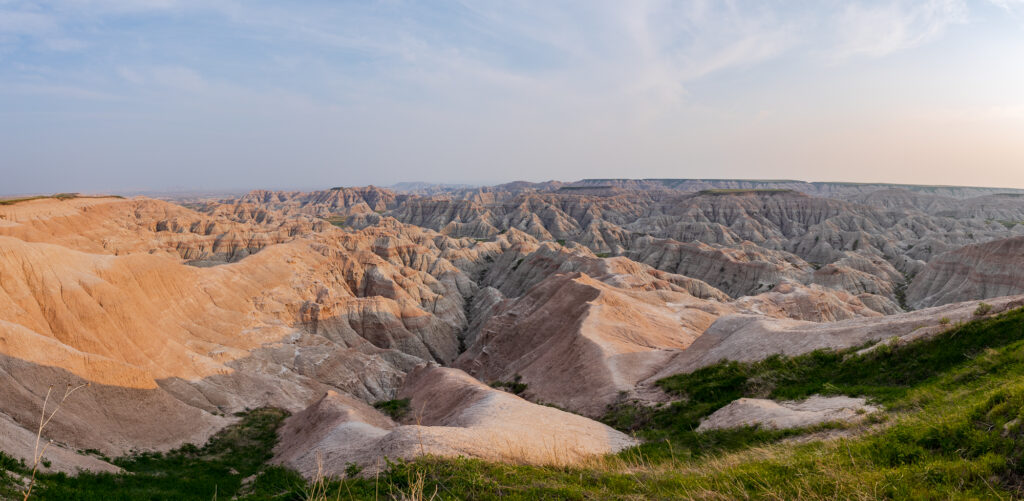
{"x": 318, "y": 487}
{"x": 37, "y": 454}
{"x": 416, "y": 488}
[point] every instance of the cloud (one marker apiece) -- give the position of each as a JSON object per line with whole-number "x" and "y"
{"x": 880, "y": 29}
{"x": 456, "y": 85}
{"x": 26, "y": 23}
{"x": 179, "y": 77}
{"x": 1008, "y": 5}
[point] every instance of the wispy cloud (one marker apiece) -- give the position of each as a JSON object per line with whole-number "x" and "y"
{"x": 879, "y": 29}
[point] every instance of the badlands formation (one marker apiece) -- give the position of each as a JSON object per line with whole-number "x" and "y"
{"x": 573, "y": 296}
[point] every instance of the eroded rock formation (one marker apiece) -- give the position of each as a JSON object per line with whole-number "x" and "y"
{"x": 324, "y": 303}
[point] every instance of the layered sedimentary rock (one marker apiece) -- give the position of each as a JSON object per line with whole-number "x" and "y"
{"x": 743, "y": 270}
{"x": 972, "y": 272}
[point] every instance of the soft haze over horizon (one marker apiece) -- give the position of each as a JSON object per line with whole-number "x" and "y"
{"x": 124, "y": 95}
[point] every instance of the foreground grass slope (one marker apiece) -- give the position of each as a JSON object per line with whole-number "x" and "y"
{"x": 191, "y": 472}
{"x": 954, "y": 430}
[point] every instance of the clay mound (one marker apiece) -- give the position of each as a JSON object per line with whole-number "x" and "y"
{"x": 972, "y": 272}
{"x": 577, "y": 342}
{"x": 455, "y": 415}
{"x": 783, "y": 415}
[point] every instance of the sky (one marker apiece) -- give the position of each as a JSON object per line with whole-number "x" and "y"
{"x": 122, "y": 95}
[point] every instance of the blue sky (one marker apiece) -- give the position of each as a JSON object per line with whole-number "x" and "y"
{"x": 215, "y": 94}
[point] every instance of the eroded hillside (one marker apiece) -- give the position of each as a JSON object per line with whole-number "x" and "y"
{"x": 576, "y": 296}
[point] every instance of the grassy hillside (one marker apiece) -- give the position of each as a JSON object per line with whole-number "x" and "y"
{"x": 954, "y": 429}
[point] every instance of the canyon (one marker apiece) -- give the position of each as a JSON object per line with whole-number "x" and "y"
{"x": 508, "y": 319}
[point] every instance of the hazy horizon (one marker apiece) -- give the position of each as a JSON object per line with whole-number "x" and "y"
{"x": 133, "y": 95}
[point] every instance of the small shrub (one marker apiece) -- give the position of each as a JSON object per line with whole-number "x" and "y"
{"x": 516, "y": 386}
{"x": 397, "y": 408}
{"x": 982, "y": 309}
{"x": 944, "y": 320}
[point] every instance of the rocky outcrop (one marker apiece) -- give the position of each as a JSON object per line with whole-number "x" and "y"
{"x": 774, "y": 415}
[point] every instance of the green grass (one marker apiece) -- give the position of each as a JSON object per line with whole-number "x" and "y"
{"x": 190, "y": 472}
{"x": 397, "y": 409}
{"x": 9, "y": 467}
{"x": 1008, "y": 224}
{"x": 954, "y": 430}
{"x": 516, "y": 386}
{"x": 338, "y": 221}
